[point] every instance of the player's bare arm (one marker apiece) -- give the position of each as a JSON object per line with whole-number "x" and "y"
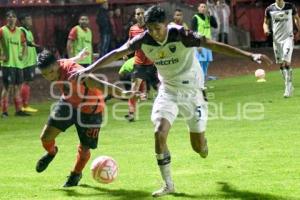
{"x": 93, "y": 82}
{"x": 235, "y": 52}
{"x": 266, "y": 26}
{"x": 297, "y": 22}
{"x": 69, "y": 48}
{"x": 109, "y": 58}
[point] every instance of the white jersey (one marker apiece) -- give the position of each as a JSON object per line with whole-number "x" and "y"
{"x": 281, "y": 20}
{"x": 177, "y": 65}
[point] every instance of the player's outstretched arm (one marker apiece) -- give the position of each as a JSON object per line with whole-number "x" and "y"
{"x": 236, "y": 52}
{"x": 109, "y": 58}
{"x": 91, "y": 81}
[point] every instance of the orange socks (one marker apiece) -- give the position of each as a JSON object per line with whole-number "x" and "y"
{"x": 83, "y": 157}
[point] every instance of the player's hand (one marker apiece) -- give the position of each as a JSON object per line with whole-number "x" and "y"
{"x": 261, "y": 59}
{"x": 267, "y": 33}
{"x": 83, "y": 54}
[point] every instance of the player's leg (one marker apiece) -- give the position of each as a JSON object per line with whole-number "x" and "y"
{"x": 164, "y": 113}
{"x": 28, "y": 73}
{"x": 18, "y": 101}
{"x": 88, "y": 128}
{"x": 60, "y": 119}
{"x": 7, "y": 87}
{"x": 163, "y": 157}
{"x": 83, "y": 156}
{"x": 195, "y": 111}
{"x": 7, "y": 79}
{"x": 279, "y": 57}
{"x": 144, "y": 87}
{"x": 288, "y": 47}
{"x": 135, "y": 85}
{"x": 47, "y": 137}
{"x": 137, "y": 78}
{"x": 18, "y": 79}
{"x": 199, "y": 143}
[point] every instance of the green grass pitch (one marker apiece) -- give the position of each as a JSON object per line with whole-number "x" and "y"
{"x": 248, "y": 158}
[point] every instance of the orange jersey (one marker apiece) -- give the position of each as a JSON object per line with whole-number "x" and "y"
{"x": 139, "y": 56}
{"x": 89, "y": 101}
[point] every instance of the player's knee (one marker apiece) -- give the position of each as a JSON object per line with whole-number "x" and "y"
{"x": 46, "y": 135}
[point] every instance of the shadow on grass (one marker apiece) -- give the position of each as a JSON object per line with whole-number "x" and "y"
{"x": 229, "y": 192}
{"x": 121, "y": 194}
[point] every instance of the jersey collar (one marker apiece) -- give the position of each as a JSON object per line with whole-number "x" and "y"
{"x": 279, "y": 7}
{"x": 167, "y": 36}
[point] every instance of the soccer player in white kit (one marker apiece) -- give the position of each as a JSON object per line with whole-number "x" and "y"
{"x": 280, "y": 16}
{"x": 172, "y": 49}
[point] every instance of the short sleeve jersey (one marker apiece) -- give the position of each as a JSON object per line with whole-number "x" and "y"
{"x": 281, "y": 20}
{"x": 89, "y": 101}
{"x": 174, "y": 58}
{"x": 140, "y": 58}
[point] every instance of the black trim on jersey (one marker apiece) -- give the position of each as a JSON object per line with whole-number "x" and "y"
{"x": 287, "y": 6}
{"x": 175, "y": 34}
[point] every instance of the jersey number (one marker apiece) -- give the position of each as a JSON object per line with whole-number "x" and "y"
{"x": 198, "y": 111}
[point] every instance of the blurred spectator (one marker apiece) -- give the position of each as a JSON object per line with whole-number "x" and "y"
{"x": 80, "y": 37}
{"x": 13, "y": 44}
{"x": 224, "y": 14}
{"x": 119, "y": 27}
{"x": 113, "y": 28}
{"x": 202, "y": 23}
{"x": 212, "y": 9}
{"x": 29, "y": 61}
{"x": 105, "y": 28}
{"x": 178, "y": 19}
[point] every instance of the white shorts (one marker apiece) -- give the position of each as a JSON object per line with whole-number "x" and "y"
{"x": 283, "y": 50}
{"x": 189, "y": 103}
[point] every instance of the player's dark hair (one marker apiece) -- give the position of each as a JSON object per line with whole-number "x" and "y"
{"x": 23, "y": 16}
{"x": 10, "y": 12}
{"x": 155, "y": 14}
{"x": 45, "y": 59}
{"x": 178, "y": 10}
{"x": 139, "y": 7}
{"x": 83, "y": 15}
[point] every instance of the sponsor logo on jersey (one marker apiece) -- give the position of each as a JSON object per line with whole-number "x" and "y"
{"x": 167, "y": 61}
{"x": 161, "y": 54}
{"x": 172, "y": 48}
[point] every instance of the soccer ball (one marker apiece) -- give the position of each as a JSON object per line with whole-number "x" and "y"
{"x": 104, "y": 169}
{"x": 260, "y": 74}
